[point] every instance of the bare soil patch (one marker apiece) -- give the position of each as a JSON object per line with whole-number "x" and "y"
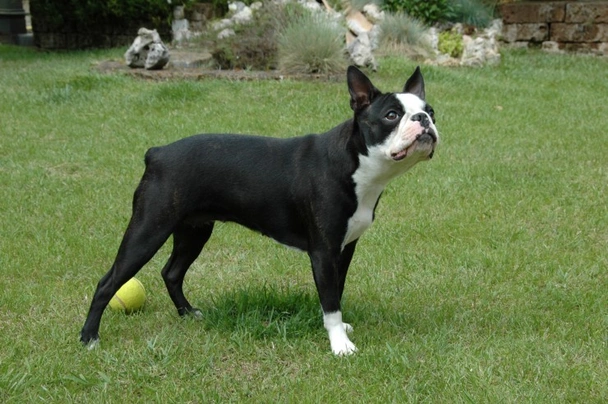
{"x": 193, "y": 65}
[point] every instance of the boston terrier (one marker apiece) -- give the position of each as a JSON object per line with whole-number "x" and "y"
{"x": 316, "y": 193}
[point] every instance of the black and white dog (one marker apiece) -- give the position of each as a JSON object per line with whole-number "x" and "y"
{"x": 316, "y": 193}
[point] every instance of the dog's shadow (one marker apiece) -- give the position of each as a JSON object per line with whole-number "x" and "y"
{"x": 263, "y": 312}
{"x": 268, "y": 312}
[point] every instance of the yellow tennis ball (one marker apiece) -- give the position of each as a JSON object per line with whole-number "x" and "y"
{"x": 130, "y": 297}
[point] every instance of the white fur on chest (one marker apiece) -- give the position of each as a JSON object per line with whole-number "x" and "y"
{"x": 369, "y": 184}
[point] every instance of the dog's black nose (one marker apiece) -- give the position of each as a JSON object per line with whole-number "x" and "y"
{"x": 422, "y": 118}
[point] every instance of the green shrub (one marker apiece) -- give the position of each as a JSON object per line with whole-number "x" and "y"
{"x": 451, "y": 44}
{"x": 255, "y": 45}
{"x": 313, "y": 43}
{"x": 478, "y": 13}
{"x": 93, "y": 16}
{"x": 427, "y": 11}
{"x": 252, "y": 47}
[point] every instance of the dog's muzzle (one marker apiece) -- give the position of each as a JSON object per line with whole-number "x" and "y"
{"x": 428, "y": 134}
{"x": 422, "y": 134}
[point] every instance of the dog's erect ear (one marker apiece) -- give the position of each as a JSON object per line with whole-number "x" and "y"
{"x": 362, "y": 91}
{"x": 415, "y": 84}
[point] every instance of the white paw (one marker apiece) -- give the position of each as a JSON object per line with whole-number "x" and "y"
{"x": 342, "y": 346}
{"x": 336, "y": 329}
{"x": 93, "y": 344}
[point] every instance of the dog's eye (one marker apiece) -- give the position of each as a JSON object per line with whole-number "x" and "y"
{"x": 431, "y": 113}
{"x": 391, "y": 116}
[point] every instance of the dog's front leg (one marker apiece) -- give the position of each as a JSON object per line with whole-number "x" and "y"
{"x": 336, "y": 329}
{"x": 329, "y": 273}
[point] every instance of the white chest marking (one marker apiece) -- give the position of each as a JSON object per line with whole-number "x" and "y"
{"x": 369, "y": 184}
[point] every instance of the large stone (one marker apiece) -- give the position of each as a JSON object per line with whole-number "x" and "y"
{"x": 482, "y": 50}
{"x": 533, "y": 12}
{"x": 587, "y": 12}
{"x": 561, "y": 32}
{"x": 373, "y": 13}
{"x": 236, "y": 6}
{"x": 222, "y": 24}
{"x": 430, "y": 38}
{"x": 312, "y": 6}
{"x": 594, "y": 48}
{"x": 538, "y": 32}
{"x": 226, "y": 33}
{"x": 360, "y": 51}
{"x": 243, "y": 16}
{"x": 357, "y": 22}
{"x": 181, "y": 31}
{"x": 147, "y": 51}
{"x": 158, "y": 57}
{"x": 551, "y": 47}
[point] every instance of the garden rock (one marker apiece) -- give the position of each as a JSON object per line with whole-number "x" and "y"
{"x": 478, "y": 50}
{"x": 373, "y": 13}
{"x": 312, "y": 5}
{"x": 222, "y": 24}
{"x": 483, "y": 49}
{"x": 181, "y": 31}
{"x": 241, "y": 13}
{"x": 226, "y": 33}
{"x": 360, "y": 51}
{"x": 357, "y": 23}
{"x": 244, "y": 16}
{"x": 361, "y": 39}
{"x": 238, "y": 14}
{"x": 431, "y": 39}
{"x": 147, "y": 51}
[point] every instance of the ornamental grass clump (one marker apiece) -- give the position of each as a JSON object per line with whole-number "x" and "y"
{"x": 400, "y": 28}
{"x": 404, "y": 35}
{"x": 312, "y": 43}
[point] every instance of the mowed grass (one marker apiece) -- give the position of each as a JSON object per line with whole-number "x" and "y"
{"x": 484, "y": 278}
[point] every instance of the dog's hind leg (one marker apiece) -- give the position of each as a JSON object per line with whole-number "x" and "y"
{"x": 149, "y": 228}
{"x": 188, "y": 241}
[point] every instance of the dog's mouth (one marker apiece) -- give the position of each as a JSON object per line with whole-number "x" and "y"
{"x": 427, "y": 137}
{"x": 402, "y": 154}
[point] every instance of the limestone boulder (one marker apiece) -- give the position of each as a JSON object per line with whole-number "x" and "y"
{"x": 147, "y": 51}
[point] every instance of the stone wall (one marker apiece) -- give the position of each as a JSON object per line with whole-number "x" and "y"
{"x": 557, "y": 25}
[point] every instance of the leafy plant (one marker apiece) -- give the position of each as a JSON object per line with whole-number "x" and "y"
{"x": 451, "y": 44}
{"x": 428, "y": 11}
{"x": 89, "y": 21}
{"x": 478, "y": 13}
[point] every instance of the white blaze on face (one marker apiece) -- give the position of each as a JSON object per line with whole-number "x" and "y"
{"x": 400, "y": 143}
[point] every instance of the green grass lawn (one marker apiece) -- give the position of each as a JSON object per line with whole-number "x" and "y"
{"x": 484, "y": 278}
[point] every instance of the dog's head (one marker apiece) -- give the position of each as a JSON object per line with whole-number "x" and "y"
{"x": 397, "y": 127}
